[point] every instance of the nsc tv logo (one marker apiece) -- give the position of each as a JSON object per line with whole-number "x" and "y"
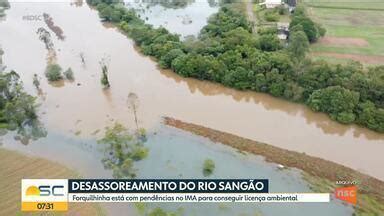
{"x": 44, "y": 194}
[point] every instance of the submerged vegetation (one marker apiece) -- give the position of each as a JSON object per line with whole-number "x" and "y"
{"x": 53, "y": 72}
{"x": 227, "y": 52}
{"x": 36, "y": 81}
{"x": 51, "y": 25}
{"x": 133, "y": 104}
{"x": 208, "y": 167}
{"x": 69, "y": 74}
{"x": 104, "y": 76}
{"x": 4, "y": 4}
{"x": 121, "y": 150}
{"x": 18, "y": 110}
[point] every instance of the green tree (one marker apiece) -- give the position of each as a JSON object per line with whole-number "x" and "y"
{"x": 53, "y": 72}
{"x": 339, "y": 102}
{"x": 308, "y": 25}
{"x": 275, "y": 82}
{"x": 293, "y": 91}
{"x": 17, "y": 108}
{"x": 261, "y": 83}
{"x": 370, "y": 116}
{"x": 271, "y": 16}
{"x": 106, "y": 13}
{"x": 317, "y": 76}
{"x": 298, "y": 44}
{"x": 310, "y": 28}
{"x": 166, "y": 60}
{"x": 269, "y": 42}
{"x": 115, "y": 16}
{"x": 121, "y": 150}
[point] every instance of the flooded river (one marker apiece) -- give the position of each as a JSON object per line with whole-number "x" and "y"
{"x": 177, "y": 154}
{"x": 185, "y": 18}
{"x": 82, "y": 107}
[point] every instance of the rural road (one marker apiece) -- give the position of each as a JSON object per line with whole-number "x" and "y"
{"x": 250, "y": 14}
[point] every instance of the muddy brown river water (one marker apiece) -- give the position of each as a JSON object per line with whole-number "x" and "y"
{"x": 83, "y": 107}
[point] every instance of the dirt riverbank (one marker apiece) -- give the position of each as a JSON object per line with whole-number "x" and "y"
{"x": 369, "y": 187}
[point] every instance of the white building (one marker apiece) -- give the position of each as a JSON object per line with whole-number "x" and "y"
{"x": 271, "y": 3}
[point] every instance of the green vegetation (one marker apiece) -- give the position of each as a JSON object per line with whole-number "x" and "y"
{"x": 268, "y": 42}
{"x": 53, "y": 72}
{"x": 104, "y": 76}
{"x": 69, "y": 74}
{"x": 17, "y": 108}
{"x": 4, "y": 4}
{"x": 36, "y": 81}
{"x": 121, "y": 150}
{"x": 269, "y": 16}
{"x": 298, "y": 44}
{"x": 227, "y": 52}
{"x": 2, "y": 67}
{"x": 142, "y": 134}
{"x": 337, "y": 101}
{"x": 300, "y": 21}
{"x": 208, "y": 167}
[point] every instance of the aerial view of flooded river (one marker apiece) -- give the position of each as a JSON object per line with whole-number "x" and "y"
{"x": 76, "y": 113}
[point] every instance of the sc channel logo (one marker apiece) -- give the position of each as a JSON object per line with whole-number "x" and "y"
{"x": 44, "y": 190}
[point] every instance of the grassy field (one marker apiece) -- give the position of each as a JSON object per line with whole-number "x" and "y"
{"x": 350, "y": 4}
{"x": 15, "y": 166}
{"x": 351, "y": 19}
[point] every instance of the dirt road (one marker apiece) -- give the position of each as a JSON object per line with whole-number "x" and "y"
{"x": 251, "y": 16}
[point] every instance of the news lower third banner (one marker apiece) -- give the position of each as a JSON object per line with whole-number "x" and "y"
{"x": 55, "y": 194}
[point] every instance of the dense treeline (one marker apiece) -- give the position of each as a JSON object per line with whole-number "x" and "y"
{"x": 227, "y": 52}
{"x": 302, "y": 21}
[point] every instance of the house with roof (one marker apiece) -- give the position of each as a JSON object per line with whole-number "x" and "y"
{"x": 271, "y": 3}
